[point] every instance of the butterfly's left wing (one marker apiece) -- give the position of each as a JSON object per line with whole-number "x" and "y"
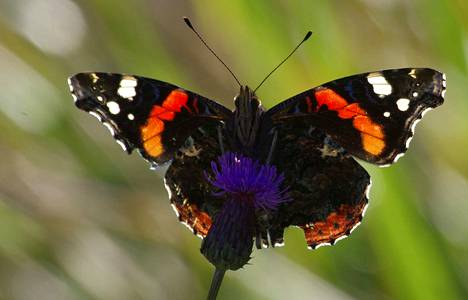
{"x": 151, "y": 116}
{"x": 371, "y": 115}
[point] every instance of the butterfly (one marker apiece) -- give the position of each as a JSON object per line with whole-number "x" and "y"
{"x": 311, "y": 137}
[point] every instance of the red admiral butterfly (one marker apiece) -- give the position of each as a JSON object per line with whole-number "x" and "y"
{"x": 310, "y": 139}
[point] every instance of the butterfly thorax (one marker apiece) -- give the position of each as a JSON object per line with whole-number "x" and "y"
{"x": 246, "y": 119}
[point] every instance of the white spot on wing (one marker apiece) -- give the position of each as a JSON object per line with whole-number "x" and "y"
{"x": 128, "y": 81}
{"x": 403, "y": 104}
{"x": 122, "y": 144}
{"x": 415, "y": 94}
{"x": 74, "y": 97}
{"x": 364, "y": 210}
{"x": 386, "y": 114}
{"x": 379, "y": 84}
{"x": 444, "y": 85}
{"x": 400, "y": 155}
{"x": 354, "y": 227}
{"x": 95, "y": 114}
{"x": 131, "y": 117}
{"x": 94, "y": 77}
{"x": 127, "y": 87}
{"x": 376, "y": 78}
{"x": 126, "y": 92}
{"x": 341, "y": 238}
{"x": 408, "y": 141}
{"x": 169, "y": 193}
{"x": 187, "y": 225}
{"x": 413, "y": 126}
{"x": 412, "y": 73}
{"x": 114, "y": 107}
{"x": 109, "y": 126}
{"x": 70, "y": 85}
{"x": 322, "y": 244}
{"x": 175, "y": 209}
{"x": 425, "y": 111}
{"x": 368, "y": 188}
{"x": 382, "y": 89}
{"x": 100, "y": 99}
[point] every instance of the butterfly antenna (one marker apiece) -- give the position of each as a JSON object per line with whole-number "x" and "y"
{"x": 189, "y": 24}
{"x": 307, "y": 36}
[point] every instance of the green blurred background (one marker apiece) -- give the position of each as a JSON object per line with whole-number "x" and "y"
{"x": 79, "y": 219}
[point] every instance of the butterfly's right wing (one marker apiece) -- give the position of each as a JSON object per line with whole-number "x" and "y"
{"x": 145, "y": 114}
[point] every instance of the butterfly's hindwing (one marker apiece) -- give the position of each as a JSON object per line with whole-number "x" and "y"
{"x": 192, "y": 196}
{"x": 371, "y": 115}
{"x": 328, "y": 188}
{"x": 145, "y": 114}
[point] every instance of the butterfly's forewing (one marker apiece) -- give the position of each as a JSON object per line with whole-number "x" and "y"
{"x": 145, "y": 114}
{"x": 371, "y": 115}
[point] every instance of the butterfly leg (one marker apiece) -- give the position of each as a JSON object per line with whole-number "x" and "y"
{"x": 258, "y": 240}
{"x": 266, "y": 235}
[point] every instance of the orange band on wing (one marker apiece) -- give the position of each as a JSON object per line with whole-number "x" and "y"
{"x": 154, "y": 127}
{"x": 335, "y": 102}
{"x": 350, "y": 111}
{"x": 336, "y": 225}
{"x": 372, "y": 144}
{"x": 329, "y": 98}
{"x": 365, "y": 125}
{"x": 175, "y": 101}
{"x": 197, "y": 220}
{"x": 162, "y": 113}
{"x": 153, "y": 146}
{"x": 372, "y": 136}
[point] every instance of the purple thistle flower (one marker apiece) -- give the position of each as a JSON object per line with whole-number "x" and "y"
{"x": 246, "y": 186}
{"x": 246, "y": 179}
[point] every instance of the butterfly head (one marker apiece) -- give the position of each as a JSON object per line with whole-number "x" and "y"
{"x": 246, "y": 95}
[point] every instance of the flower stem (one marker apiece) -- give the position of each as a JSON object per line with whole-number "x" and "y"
{"x": 216, "y": 283}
